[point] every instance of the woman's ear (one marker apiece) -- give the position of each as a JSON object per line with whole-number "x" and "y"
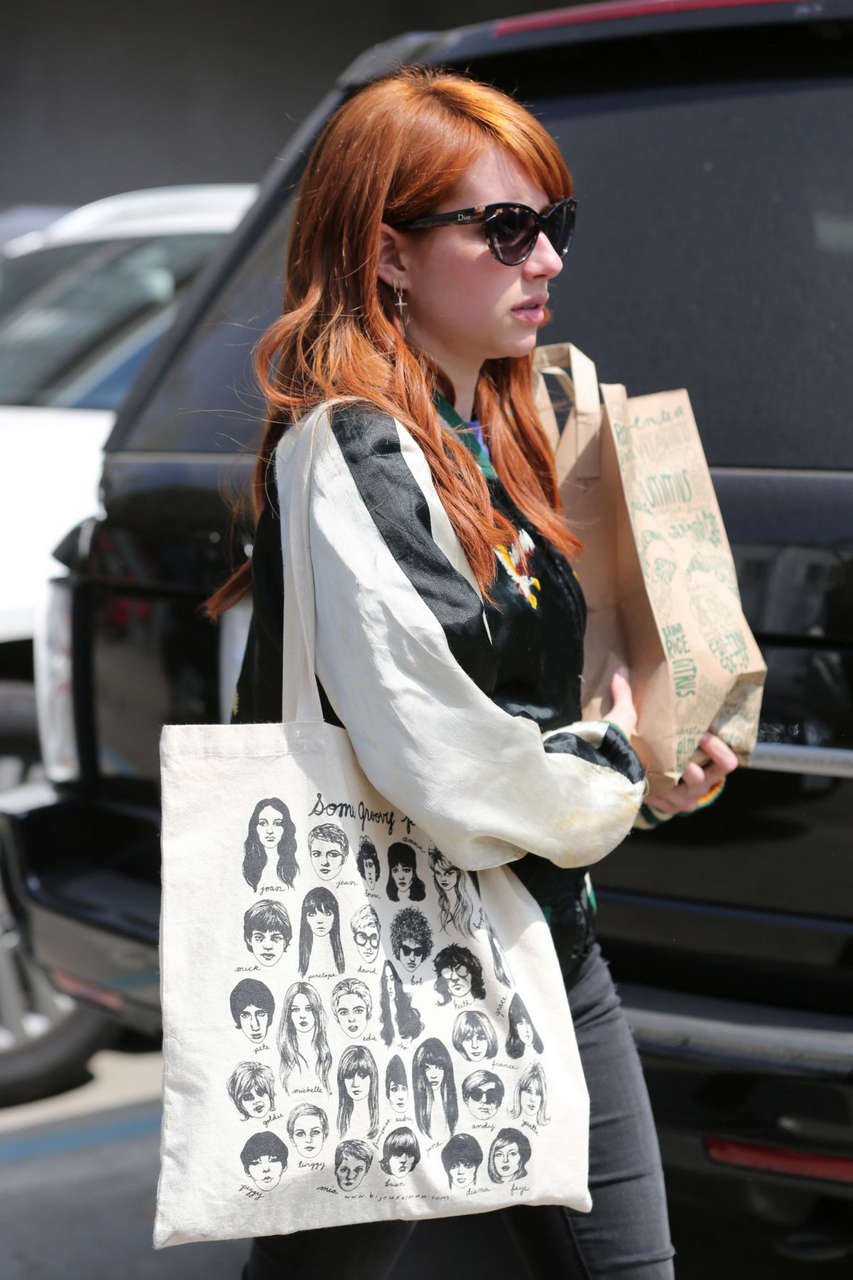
{"x": 392, "y": 266}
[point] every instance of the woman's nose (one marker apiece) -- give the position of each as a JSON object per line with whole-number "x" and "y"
{"x": 543, "y": 261}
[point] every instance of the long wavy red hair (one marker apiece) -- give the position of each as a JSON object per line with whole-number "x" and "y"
{"x": 392, "y": 153}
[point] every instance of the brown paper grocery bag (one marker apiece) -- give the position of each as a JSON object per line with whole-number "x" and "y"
{"x": 657, "y": 569}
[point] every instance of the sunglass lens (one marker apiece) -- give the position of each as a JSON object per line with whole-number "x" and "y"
{"x": 559, "y": 226}
{"x": 512, "y": 233}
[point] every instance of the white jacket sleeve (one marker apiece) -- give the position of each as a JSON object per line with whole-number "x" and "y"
{"x": 401, "y": 644}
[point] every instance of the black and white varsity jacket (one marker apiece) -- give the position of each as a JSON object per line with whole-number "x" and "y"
{"x": 464, "y": 714}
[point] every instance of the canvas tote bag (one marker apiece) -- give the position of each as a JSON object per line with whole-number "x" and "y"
{"x": 657, "y": 570}
{"x": 353, "y": 1029}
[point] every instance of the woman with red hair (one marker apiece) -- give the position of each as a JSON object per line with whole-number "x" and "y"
{"x": 432, "y": 220}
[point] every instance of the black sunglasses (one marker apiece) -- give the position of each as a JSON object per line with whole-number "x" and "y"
{"x": 510, "y": 229}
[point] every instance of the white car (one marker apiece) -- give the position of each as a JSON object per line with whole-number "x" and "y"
{"x": 82, "y": 303}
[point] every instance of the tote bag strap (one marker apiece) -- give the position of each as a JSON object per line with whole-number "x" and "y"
{"x": 300, "y": 698}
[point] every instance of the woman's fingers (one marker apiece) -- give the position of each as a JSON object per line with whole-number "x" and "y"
{"x": 697, "y": 779}
{"x": 719, "y": 752}
{"x": 623, "y": 712}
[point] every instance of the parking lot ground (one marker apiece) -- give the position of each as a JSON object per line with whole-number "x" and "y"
{"x": 78, "y": 1178}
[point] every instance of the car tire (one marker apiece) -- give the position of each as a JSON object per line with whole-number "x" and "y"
{"x": 46, "y": 1038}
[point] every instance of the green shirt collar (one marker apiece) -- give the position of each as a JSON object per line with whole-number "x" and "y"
{"x": 452, "y": 420}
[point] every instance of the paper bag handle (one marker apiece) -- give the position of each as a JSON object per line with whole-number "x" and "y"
{"x": 300, "y": 698}
{"x": 581, "y": 385}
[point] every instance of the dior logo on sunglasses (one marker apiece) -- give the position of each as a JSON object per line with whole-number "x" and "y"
{"x": 511, "y": 230}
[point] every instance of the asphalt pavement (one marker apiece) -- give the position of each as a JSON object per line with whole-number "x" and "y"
{"x": 78, "y": 1178}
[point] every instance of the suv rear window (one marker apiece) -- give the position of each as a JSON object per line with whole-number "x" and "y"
{"x": 714, "y": 249}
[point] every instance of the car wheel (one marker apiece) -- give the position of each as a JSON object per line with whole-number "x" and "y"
{"x": 46, "y": 1038}
{"x": 19, "y": 743}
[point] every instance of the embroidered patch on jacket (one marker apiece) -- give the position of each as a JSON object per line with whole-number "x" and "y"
{"x": 517, "y": 562}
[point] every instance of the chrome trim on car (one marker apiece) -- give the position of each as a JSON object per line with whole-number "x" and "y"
{"x": 786, "y": 757}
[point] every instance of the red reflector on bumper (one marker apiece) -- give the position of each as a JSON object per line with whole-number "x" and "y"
{"x": 801, "y": 1164}
{"x": 87, "y": 991}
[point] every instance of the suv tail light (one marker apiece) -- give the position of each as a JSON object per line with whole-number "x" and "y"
{"x": 54, "y": 686}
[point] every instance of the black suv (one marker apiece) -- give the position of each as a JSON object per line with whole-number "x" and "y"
{"x": 710, "y": 146}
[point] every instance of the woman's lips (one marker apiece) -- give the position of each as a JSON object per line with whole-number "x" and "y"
{"x": 532, "y": 311}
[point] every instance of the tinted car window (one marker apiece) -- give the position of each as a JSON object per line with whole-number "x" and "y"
{"x": 714, "y": 249}
{"x": 208, "y": 400}
{"x": 90, "y": 307}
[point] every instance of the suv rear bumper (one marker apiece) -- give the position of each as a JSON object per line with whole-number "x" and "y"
{"x": 717, "y": 1069}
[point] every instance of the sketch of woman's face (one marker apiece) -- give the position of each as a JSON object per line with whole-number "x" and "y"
{"x": 267, "y": 945}
{"x": 446, "y": 876}
{"x": 254, "y": 1022}
{"x": 308, "y": 1136}
{"x": 390, "y": 985}
{"x": 401, "y": 1164}
{"x": 320, "y": 920}
{"x": 476, "y": 1045}
{"x": 458, "y": 979}
{"x": 256, "y": 1103}
{"x": 462, "y": 1176}
{"x": 351, "y": 1013}
{"x": 398, "y": 1097}
{"x": 266, "y": 1172}
{"x": 350, "y": 1172}
{"x": 525, "y": 1031}
{"x": 269, "y": 827}
{"x": 483, "y": 1101}
{"x": 402, "y": 877}
{"x": 357, "y": 1085}
{"x": 507, "y": 1161}
{"x": 302, "y": 1015}
{"x": 530, "y": 1099}
{"x": 327, "y": 858}
{"x": 434, "y": 1074}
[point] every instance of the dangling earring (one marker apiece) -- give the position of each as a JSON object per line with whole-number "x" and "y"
{"x": 401, "y": 304}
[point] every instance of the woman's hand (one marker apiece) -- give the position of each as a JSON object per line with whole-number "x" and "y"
{"x": 623, "y": 713}
{"x": 697, "y": 780}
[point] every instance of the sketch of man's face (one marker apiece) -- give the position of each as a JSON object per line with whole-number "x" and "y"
{"x": 507, "y": 1161}
{"x": 308, "y": 1135}
{"x": 358, "y": 1084}
{"x": 267, "y": 945}
{"x": 254, "y": 1022}
{"x": 398, "y": 1097}
{"x": 529, "y": 1099}
{"x": 351, "y": 1013}
{"x": 256, "y": 1102}
{"x": 327, "y": 858}
{"x": 476, "y": 1045}
{"x": 434, "y": 1074}
{"x": 302, "y": 1015}
{"x": 400, "y": 1165}
{"x": 320, "y": 921}
{"x": 458, "y": 979}
{"x": 462, "y": 1176}
{"x": 350, "y": 1172}
{"x": 371, "y": 873}
{"x": 446, "y": 875}
{"x": 366, "y": 940}
{"x": 482, "y": 1100}
{"x": 402, "y": 877}
{"x": 269, "y": 827}
{"x": 266, "y": 1172}
{"x": 411, "y": 954}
